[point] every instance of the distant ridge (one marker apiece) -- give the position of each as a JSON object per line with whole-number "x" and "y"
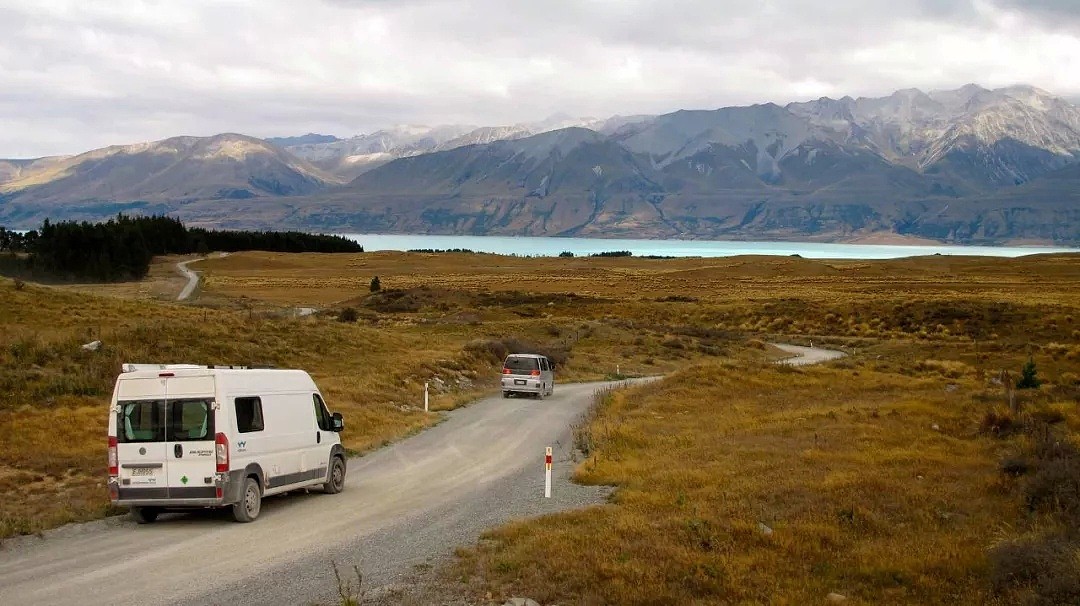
{"x": 308, "y": 139}
{"x": 969, "y": 165}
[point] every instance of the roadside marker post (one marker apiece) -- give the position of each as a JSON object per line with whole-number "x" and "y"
{"x": 547, "y": 473}
{"x": 425, "y": 396}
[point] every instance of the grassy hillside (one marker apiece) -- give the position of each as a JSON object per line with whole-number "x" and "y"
{"x": 742, "y": 483}
{"x": 900, "y": 474}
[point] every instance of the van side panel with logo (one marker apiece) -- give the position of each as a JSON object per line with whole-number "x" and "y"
{"x": 186, "y": 437}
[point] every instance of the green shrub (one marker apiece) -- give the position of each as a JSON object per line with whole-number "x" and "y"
{"x": 1028, "y": 376}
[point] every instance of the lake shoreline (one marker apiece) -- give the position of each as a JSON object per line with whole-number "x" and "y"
{"x": 537, "y": 246}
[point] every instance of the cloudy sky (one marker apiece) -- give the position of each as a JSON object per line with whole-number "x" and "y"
{"x": 80, "y": 74}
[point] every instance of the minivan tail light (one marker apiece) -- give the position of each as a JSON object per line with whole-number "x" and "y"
{"x": 114, "y": 463}
{"x": 535, "y": 373}
{"x": 221, "y": 447}
{"x": 506, "y": 371}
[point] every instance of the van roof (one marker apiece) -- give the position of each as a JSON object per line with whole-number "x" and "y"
{"x": 190, "y": 370}
{"x": 128, "y": 367}
{"x": 525, "y": 356}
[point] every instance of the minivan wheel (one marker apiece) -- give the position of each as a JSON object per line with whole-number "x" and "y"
{"x": 336, "y": 482}
{"x": 540, "y": 394}
{"x": 250, "y": 502}
{"x": 144, "y": 515}
{"x": 506, "y": 394}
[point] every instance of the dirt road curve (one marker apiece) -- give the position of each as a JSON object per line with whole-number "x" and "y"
{"x": 192, "y": 279}
{"x": 408, "y": 504}
{"x": 804, "y": 356}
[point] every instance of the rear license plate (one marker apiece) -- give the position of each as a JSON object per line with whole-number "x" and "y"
{"x": 142, "y": 471}
{"x": 519, "y": 381}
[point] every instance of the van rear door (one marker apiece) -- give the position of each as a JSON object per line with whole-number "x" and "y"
{"x": 140, "y": 436}
{"x": 189, "y": 437}
{"x": 165, "y": 438}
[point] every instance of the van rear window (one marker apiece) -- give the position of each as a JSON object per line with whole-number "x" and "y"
{"x": 165, "y": 421}
{"x": 518, "y": 365}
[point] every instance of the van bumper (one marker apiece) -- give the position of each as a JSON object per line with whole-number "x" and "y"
{"x": 225, "y": 491}
{"x": 530, "y": 386}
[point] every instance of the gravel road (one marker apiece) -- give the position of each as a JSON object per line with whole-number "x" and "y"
{"x": 192, "y": 279}
{"x": 404, "y": 506}
{"x": 805, "y": 356}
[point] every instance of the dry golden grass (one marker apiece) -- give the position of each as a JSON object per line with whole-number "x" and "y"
{"x": 742, "y": 483}
{"x": 829, "y": 458}
{"x": 321, "y": 279}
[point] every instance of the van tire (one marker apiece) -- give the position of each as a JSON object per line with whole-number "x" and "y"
{"x": 335, "y": 482}
{"x": 250, "y": 502}
{"x": 145, "y": 515}
{"x": 506, "y": 394}
{"x": 540, "y": 394}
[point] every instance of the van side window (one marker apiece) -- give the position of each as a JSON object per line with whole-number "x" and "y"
{"x": 546, "y": 363}
{"x": 321, "y": 414}
{"x": 249, "y": 416}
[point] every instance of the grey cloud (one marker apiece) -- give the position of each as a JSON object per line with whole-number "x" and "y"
{"x": 78, "y": 75}
{"x": 1057, "y": 14}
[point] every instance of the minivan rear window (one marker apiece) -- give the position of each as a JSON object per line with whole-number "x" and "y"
{"x": 165, "y": 421}
{"x": 521, "y": 365}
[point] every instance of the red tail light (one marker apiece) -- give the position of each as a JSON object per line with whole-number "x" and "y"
{"x": 114, "y": 464}
{"x": 506, "y": 371}
{"x": 535, "y": 373}
{"x": 221, "y": 447}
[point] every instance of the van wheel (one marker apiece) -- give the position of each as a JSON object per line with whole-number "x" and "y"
{"x": 250, "y": 503}
{"x": 336, "y": 483}
{"x": 144, "y": 515}
{"x": 506, "y": 394}
{"x": 540, "y": 394}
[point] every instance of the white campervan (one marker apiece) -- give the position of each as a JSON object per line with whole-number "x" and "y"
{"x": 184, "y": 436}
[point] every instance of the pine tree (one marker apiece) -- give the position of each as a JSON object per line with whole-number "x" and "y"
{"x": 1028, "y": 378}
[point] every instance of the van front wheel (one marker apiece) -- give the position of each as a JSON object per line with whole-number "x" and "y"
{"x": 250, "y": 502}
{"x": 144, "y": 515}
{"x": 336, "y": 481}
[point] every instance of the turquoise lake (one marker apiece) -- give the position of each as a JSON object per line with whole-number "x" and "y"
{"x": 551, "y": 247}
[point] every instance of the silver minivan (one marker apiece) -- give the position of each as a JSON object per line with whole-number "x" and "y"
{"x": 528, "y": 374}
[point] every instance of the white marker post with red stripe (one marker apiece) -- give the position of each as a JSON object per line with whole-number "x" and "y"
{"x": 547, "y": 473}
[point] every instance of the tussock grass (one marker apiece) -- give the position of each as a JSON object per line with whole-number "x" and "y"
{"x": 862, "y": 496}
{"x": 886, "y": 476}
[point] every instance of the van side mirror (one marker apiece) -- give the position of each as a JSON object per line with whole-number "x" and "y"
{"x": 337, "y": 423}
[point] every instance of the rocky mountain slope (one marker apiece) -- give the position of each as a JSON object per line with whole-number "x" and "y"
{"x": 966, "y": 165}
{"x": 349, "y": 158}
{"x": 153, "y": 176}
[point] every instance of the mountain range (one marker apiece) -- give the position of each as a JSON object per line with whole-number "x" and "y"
{"x": 970, "y": 165}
